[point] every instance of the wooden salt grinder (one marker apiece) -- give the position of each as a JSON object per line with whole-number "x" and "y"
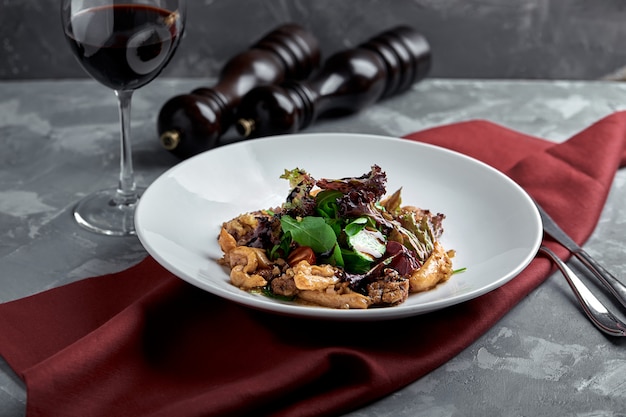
{"x": 191, "y": 123}
{"x": 348, "y": 82}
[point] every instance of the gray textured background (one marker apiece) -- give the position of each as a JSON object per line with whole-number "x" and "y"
{"x": 573, "y": 39}
{"x": 543, "y": 359}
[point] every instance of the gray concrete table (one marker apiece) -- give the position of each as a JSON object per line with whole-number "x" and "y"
{"x": 59, "y": 141}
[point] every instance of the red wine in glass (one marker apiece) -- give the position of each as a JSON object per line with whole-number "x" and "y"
{"x": 124, "y": 47}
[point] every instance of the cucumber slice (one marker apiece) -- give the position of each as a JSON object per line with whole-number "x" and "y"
{"x": 369, "y": 244}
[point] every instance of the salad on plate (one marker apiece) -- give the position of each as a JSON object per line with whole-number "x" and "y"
{"x": 337, "y": 243}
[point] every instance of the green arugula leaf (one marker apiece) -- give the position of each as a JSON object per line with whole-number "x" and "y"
{"x": 334, "y": 258}
{"x": 310, "y": 231}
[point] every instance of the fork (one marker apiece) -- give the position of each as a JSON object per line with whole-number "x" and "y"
{"x": 551, "y": 228}
{"x": 597, "y": 312}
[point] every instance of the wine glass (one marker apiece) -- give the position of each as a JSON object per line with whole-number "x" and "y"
{"x": 123, "y": 44}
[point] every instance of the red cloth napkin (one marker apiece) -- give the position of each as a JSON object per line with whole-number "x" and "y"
{"x": 144, "y": 343}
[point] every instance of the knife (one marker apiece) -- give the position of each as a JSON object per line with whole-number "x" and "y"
{"x": 606, "y": 278}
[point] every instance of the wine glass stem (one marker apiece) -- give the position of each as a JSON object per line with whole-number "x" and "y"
{"x": 127, "y": 189}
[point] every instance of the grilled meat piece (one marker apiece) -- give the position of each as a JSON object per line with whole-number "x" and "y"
{"x": 284, "y": 285}
{"x": 390, "y": 290}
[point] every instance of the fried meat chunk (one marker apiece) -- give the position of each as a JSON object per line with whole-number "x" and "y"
{"x": 314, "y": 277}
{"x": 244, "y": 262}
{"x": 339, "y": 296}
{"x": 436, "y": 269}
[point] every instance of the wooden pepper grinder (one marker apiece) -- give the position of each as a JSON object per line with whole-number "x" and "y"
{"x": 348, "y": 82}
{"x": 191, "y": 123}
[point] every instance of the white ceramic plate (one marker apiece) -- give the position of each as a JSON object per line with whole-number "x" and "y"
{"x": 490, "y": 221}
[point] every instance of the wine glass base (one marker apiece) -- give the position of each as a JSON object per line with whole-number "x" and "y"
{"x": 108, "y": 213}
